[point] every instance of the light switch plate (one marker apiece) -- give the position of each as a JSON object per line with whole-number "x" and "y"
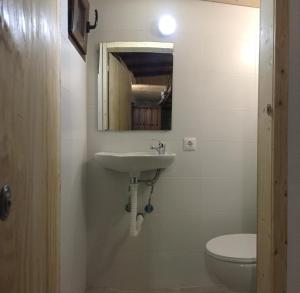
{"x": 189, "y": 144}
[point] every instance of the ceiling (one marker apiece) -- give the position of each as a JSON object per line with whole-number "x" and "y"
{"x": 147, "y": 64}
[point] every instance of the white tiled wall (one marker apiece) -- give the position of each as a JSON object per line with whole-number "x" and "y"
{"x": 203, "y": 194}
{"x": 294, "y": 151}
{"x": 73, "y": 164}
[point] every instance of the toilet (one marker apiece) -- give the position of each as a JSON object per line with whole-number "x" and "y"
{"x": 231, "y": 259}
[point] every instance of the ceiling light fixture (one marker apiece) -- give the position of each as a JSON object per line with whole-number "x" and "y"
{"x": 167, "y": 25}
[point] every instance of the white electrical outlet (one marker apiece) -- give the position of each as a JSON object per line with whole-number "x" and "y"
{"x": 189, "y": 144}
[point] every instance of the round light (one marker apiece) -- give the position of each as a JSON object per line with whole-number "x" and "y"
{"x": 167, "y": 25}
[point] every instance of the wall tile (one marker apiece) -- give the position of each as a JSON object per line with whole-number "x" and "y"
{"x": 73, "y": 165}
{"x": 205, "y": 193}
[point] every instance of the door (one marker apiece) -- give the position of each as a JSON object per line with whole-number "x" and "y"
{"x": 29, "y": 153}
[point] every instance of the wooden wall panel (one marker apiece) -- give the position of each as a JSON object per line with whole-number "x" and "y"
{"x": 120, "y": 95}
{"x": 264, "y": 220}
{"x": 280, "y": 143}
{"x": 272, "y": 148}
{"x": 125, "y": 96}
{"x": 146, "y": 118}
{"x": 29, "y": 145}
{"x": 113, "y": 93}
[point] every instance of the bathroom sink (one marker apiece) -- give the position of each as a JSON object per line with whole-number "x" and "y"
{"x": 135, "y": 162}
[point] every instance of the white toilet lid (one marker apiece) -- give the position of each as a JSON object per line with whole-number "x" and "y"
{"x": 238, "y": 248}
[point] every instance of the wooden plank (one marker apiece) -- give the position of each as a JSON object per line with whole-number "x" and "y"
{"x": 113, "y": 93}
{"x": 272, "y": 148}
{"x": 120, "y": 95}
{"x": 29, "y": 145}
{"x": 280, "y": 143}
{"x": 125, "y": 97}
{"x": 249, "y": 3}
{"x": 264, "y": 167}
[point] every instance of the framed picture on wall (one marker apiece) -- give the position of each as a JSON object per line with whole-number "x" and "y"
{"x": 78, "y": 14}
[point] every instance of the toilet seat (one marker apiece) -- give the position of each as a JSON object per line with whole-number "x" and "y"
{"x": 236, "y": 248}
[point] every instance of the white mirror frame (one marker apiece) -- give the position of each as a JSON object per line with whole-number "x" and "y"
{"x": 103, "y": 51}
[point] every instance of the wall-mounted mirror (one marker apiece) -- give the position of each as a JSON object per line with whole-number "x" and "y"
{"x": 135, "y": 86}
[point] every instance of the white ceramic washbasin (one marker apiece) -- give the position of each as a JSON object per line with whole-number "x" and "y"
{"x": 135, "y": 162}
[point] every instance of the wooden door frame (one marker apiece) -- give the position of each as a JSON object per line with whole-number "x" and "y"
{"x": 272, "y": 195}
{"x": 273, "y": 148}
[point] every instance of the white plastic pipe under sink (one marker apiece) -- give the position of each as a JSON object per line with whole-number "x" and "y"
{"x": 136, "y": 221}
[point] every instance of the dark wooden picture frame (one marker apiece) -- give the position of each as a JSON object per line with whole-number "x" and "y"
{"x": 78, "y": 15}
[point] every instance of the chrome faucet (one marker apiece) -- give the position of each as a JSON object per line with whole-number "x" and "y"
{"x": 160, "y": 148}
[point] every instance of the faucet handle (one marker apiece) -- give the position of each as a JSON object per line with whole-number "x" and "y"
{"x": 160, "y": 148}
{"x": 161, "y": 144}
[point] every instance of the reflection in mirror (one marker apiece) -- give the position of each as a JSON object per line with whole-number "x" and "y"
{"x": 135, "y": 86}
